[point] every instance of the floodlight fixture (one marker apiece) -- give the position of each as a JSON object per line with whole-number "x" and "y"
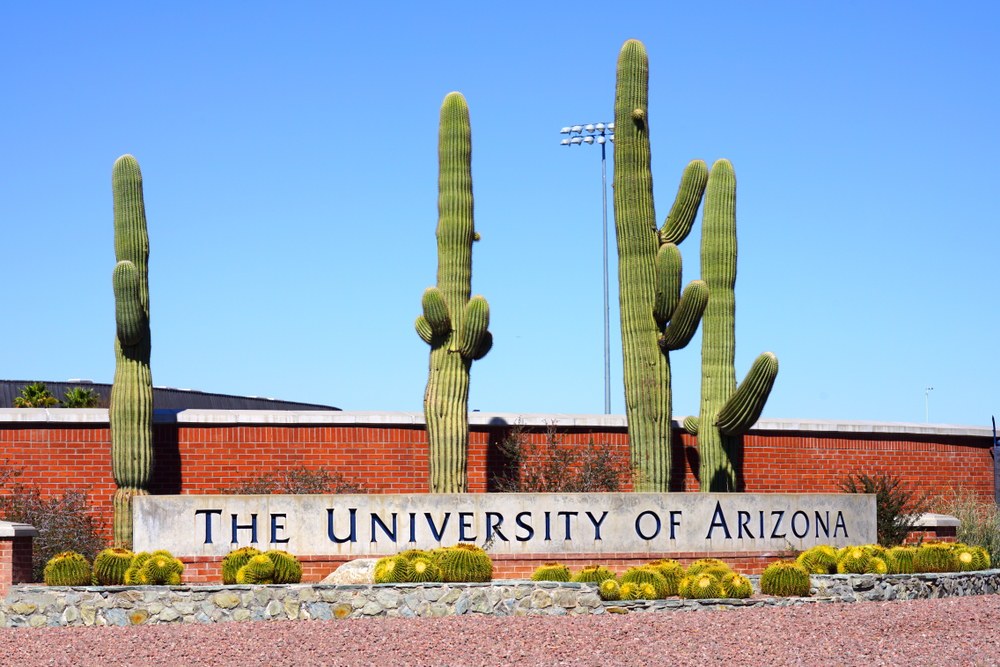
{"x": 588, "y": 140}
{"x": 611, "y": 127}
{"x": 589, "y": 128}
{"x": 599, "y": 127}
{"x": 576, "y": 140}
{"x": 577, "y": 128}
{"x": 564, "y": 142}
{"x": 565, "y": 130}
{"x": 600, "y": 139}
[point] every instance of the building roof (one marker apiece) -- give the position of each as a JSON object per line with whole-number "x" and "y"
{"x": 164, "y": 398}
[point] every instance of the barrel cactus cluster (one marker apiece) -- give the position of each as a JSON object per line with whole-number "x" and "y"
{"x": 876, "y": 559}
{"x": 247, "y": 565}
{"x": 454, "y": 323}
{"x": 158, "y": 568}
{"x": 655, "y": 580}
{"x": 785, "y": 579}
{"x": 460, "y": 563}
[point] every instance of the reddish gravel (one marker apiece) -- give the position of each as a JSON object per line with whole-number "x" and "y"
{"x": 955, "y": 631}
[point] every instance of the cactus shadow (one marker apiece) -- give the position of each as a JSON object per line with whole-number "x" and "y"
{"x": 167, "y": 476}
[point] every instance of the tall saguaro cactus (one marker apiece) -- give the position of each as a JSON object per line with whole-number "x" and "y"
{"x": 131, "y": 409}
{"x": 727, "y": 412}
{"x": 454, "y": 325}
{"x": 656, "y": 318}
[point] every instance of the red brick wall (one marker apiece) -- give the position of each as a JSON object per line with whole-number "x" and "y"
{"x": 196, "y": 459}
{"x": 15, "y": 562}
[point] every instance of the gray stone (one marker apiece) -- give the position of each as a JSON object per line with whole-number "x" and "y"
{"x": 451, "y": 596}
{"x": 589, "y": 600}
{"x": 318, "y": 610}
{"x": 261, "y": 596}
{"x": 564, "y": 598}
{"x": 116, "y": 617}
{"x": 38, "y": 621}
{"x": 360, "y": 571}
{"x": 88, "y": 613}
{"x": 372, "y": 609}
{"x": 169, "y": 615}
{"x": 69, "y": 615}
{"x": 23, "y": 608}
{"x": 154, "y": 608}
{"x": 274, "y": 608}
{"x": 246, "y": 599}
{"x": 522, "y": 591}
{"x": 292, "y": 607}
{"x": 541, "y": 599}
{"x": 227, "y": 600}
{"x": 388, "y": 598}
{"x": 434, "y": 593}
{"x": 439, "y": 610}
{"x": 480, "y": 603}
{"x": 412, "y": 600}
{"x": 185, "y": 608}
{"x": 307, "y": 594}
{"x": 462, "y": 605}
{"x": 241, "y": 615}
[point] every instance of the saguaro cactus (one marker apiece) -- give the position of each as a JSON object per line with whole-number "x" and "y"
{"x": 726, "y": 412}
{"x": 131, "y": 408}
{"x": 454, "y": 325}
{"x": 656, "y": 317}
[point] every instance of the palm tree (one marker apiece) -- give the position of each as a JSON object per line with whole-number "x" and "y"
{"x": 78, "y": 397}
{"x": 35, "y": 396}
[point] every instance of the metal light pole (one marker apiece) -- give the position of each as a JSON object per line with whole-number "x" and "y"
{"x": 927, "y": 405}
{"x": 601, "y": 133}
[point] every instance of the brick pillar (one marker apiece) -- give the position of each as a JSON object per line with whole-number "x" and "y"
{"x": 15, "y": 554}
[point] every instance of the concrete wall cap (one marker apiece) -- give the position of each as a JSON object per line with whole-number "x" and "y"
{"x": 10, "y": 529}
{"x": 931, "y": 520}
{"x": 389, "y": 418}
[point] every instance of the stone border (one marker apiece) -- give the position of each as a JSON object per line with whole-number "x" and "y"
{"x": 42, "y": 606}
{"x": 386, "y": 418}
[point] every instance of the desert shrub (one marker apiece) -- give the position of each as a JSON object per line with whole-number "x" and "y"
{"x": 557, "y": 467}
{"x": 293, "y": 481}
{"x": 64, "y": 522}
{"x": 897, "y": 507}
{"x": 980, "y": 520}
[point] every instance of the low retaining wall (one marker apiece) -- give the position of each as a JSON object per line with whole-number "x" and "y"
{"x": 41, "y": 606}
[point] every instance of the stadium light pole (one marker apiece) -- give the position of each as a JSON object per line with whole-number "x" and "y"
{"x": 600, "y": 133}
{"x": 927, "y": 405}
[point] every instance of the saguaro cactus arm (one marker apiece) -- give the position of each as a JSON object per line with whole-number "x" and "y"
{"x": 743, "y": 408}
{"x": 682, "y": 214}
{"x": 686, "y": 316}
{"x": 129, "y": 314}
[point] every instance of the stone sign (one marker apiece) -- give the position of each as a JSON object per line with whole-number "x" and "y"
{"x": 507, "y": 523}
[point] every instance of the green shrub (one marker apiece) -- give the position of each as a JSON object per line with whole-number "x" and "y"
{"x": 64, "y": 522}
{"x": 897, "y": 507}
{"x": 980, "y": 519}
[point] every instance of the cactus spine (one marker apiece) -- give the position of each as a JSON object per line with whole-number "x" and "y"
{"x": 727, "y": 412}
{"x": 454, "y": 325}
{"x": 131, "y": 408}
{"x": 656, "y": 318}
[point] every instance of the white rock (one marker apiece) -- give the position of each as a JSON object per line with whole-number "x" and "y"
{"x": 360, "y": 571}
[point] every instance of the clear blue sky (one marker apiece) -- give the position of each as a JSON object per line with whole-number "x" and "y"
{"x": 289, "y": 154}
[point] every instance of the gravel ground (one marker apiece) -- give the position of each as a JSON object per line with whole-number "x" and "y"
{"x": 954, "y": 631}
